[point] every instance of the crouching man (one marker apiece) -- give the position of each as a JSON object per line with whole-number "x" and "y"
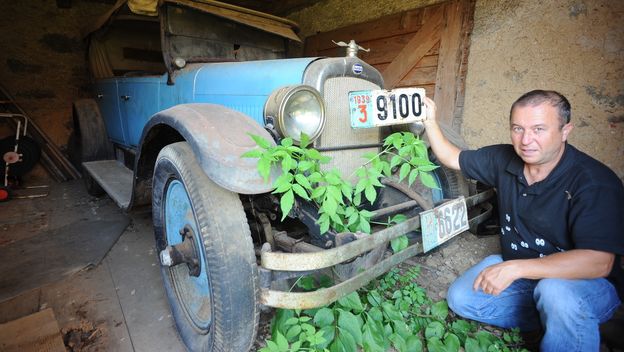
{"x": 562, "y": 229}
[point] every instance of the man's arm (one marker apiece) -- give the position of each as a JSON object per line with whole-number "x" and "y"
{"x": 572, "y": 264}
{"x": 445, "y": 151}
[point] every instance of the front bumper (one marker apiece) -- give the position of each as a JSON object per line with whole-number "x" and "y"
{"x": 277, "y": 266}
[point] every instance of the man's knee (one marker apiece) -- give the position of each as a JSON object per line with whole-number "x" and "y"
{"x": 556, "y": 296}
{"x": 458, "y": 297}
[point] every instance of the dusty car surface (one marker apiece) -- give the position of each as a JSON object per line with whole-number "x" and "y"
{"x": 179, "y": 89}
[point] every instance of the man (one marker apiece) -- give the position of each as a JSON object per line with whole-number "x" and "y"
{"x": 562, "y": 229}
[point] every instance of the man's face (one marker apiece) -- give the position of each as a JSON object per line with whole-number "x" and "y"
{"x": 536, "y": 134}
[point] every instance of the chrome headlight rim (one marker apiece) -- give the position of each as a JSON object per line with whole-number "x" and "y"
{"x": 275, "y": 111}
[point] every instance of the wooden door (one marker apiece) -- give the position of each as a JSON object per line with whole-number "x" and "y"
{"x": 426, "y": 47}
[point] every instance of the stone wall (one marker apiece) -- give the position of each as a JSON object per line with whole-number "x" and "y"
{"x": 42, "y": 60}
{"x": 572, "y": 46}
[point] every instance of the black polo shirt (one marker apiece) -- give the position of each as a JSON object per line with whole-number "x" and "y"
{"x": 580, "y": 205}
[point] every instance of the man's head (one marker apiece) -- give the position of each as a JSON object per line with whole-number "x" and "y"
{"x": 537, "y": 97}
{"x": 540, "y": 124}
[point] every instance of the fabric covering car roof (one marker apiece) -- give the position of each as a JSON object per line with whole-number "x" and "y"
{"x": 268, "y": 23}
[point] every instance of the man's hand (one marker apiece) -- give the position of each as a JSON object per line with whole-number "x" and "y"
{"x": 430, "y": 110}
{"x": 494, "y": 279}
{"x": 572, "y": 264}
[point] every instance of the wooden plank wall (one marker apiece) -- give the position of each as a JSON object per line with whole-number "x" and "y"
{"x": 426, "y": 47}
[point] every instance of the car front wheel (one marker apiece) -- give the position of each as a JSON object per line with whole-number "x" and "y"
{"x": 206, "y": 252}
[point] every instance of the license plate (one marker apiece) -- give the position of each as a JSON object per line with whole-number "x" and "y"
{"x": 443, "y": 222}
{"x": 374, "y": 108}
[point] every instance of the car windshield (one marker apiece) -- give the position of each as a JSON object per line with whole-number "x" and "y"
{"x": 201, "y": 37}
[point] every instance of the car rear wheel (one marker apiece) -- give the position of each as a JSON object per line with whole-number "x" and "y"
{"x": 208, "y": 262}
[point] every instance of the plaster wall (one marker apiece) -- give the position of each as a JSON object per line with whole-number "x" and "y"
{"x": 573, "y": 46}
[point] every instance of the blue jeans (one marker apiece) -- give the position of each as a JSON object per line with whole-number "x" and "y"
{"x": 569, "y": 311}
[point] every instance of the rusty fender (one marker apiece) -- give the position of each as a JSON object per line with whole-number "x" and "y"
{"x": 276, "y": 262}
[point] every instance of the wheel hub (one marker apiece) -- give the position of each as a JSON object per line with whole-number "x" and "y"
{"x": 185, "y": 252}
{"x": 11, "y": 157}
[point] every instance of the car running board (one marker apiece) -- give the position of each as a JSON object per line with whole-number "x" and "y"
{"x": 114, "y": 178}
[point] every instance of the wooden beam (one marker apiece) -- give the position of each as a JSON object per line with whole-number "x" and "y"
{"x": 448, "y": 63}
{"x": 416, "y": 48}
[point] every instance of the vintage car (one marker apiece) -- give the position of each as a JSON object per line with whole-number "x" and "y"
{"x": 179, "y": 89}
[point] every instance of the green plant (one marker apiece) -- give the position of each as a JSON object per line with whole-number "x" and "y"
{"x": 338, "y": 200}
{"x": 391, "y": 312}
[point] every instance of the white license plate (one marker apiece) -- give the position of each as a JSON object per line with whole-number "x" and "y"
{"x": 443, "y": 222}
{"x": 374, "y": 108}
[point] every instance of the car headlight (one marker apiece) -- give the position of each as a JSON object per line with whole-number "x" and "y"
{"x": 296, "y": 109}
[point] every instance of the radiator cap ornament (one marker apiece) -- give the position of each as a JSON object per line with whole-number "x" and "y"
{"x": 352, "y": 47}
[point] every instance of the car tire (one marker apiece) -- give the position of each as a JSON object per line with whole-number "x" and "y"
{"x": 88, "y": 141}
{"x": 218, "y": 309}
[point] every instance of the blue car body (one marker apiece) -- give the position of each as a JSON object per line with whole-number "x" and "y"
{"x": 241, "y": 86}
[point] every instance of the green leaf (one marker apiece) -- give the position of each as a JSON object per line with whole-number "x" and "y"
{"x": 451, "y": 343}
{"x": 347, "y": 190}
{"x": 343, "y": 343}
{"x": 305, "y": 165}
{"x": 261, "y": 142}
{"x": 412, "y": 176}
{"x": 428, "y": 167}
{"x": 286, "y": 203}
{"x": 324, "y": 317}
{"x": 398, "y": 244}
{"x": 352, "y": 301}
{"x": 280, "y": 319}
{"x": 333, "y": 179}
{"x": 361, "y": 185}
{"x": 404, "y": 171}
{"x": 254, "y": 153}
{"x": 264, "y": 168}
{"x": 434, "y": 344}
{"x": 304, "y": 140}
{"x": 295, "y": 346}
{"x": 371, "y": 340}
{"x": 303, "y": 181}
{"x": 300, "y": 191}
{"x": 335, "y": 193}
{"x": 435, "y": 328}
{"x": 364, "y": 225}
{"x": 413, "y": 344}
{"x": 391, "y": 311}
{"x": 286, "y": 142}
{"x": 440, "y": 310}
{"x": 396, "y": 160}
{"x": 272, "y": 346}
{"x": 307, "y": 283}
{"x": 293, "y": 332}
{"x": 315, "y": 177}
{"x": 428, "y": 180}
{"x": 318, "y": 192}
{"x": 370, "y": 193}
{"x": 374, "y": 298}
{"x": 329, "y": 333}
{"x": 330, "y": 205}
{"x": 323, "y": 224}
{"x": 472, "y": 345}
{"x": 398, "y": 342}
{"x": 281, "y": 342}
{"x": 349, "y": 322}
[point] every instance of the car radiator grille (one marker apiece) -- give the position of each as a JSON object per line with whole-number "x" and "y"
{"x": 338, "y": 131}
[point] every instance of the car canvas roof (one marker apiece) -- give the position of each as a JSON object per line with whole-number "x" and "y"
{"x": 265, "y": 22}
